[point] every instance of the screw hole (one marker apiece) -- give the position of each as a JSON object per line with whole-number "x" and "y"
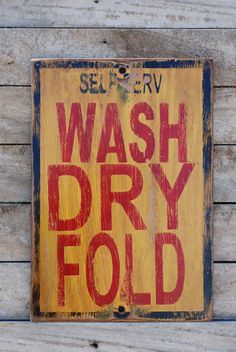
{"x": 96, "y": 1}
{"x": 121, "y": 309}
{"x": 104, "y": 41}
{"x": 122, "y": 70}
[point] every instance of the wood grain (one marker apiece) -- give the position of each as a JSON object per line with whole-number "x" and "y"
{"x": 15, "y": 173}
{"x": 129, "y": 13}
{"x": 18, "y": 46}
{"x": 224, "y": 116}
{"x": 15, "y": 291}
{"x": 15, "y": 115}
{"x": 123, "y": 337}
{"x": 224, "y": 173}
{"x": 224, "y": 232}
{"x": 15, "y": 232}
{"x": 224, "y": 288}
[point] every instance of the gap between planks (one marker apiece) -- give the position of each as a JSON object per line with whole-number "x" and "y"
{"x": 121, "y": 28}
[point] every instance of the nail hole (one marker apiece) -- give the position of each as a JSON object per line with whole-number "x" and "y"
{"x": 96, "y": 1}
{"x": 104, "y": 41}
{"x": 94, "y": 344}
{"x": 122, "y": 70}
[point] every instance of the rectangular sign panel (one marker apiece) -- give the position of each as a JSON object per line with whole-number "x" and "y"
{"x": 122, "y": 190}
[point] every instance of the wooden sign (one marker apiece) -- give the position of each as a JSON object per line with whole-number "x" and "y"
{"x": 122, "y": 190}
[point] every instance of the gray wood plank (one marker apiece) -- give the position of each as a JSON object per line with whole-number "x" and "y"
{"x": 122, "y": 337}
{"x": 224, "y": 288}
{"x": 15, "y": 232}
{"x": 224, "y": 116}
{"x": 18, "y": 46}
{"x": 224, "y": 232}
{"x": 15, "y": 173}
{"x": 15, "y": 115}
{"x": 129, "y": 13}
{"x": 224, "y": 173}
{"x": 15, "y": 291}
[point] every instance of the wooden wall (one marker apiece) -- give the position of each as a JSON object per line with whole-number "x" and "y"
{"x": 106, "y": 28}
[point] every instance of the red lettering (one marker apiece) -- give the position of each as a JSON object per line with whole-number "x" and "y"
{"x": 168, "y": 131}
{"x": 54, "y": 222}
{"x": 171, "y": 297}
{"x": 112, "y": 123}
{"x": 65, "y": 269}
{"x": 102, "y": 239}
{"x": 142, "y": 131}
{"x": 123, "y": 198}
{"x": 172, "y": 194}
{"x": 133, "y": 297}
{"x": 76, "y": 124}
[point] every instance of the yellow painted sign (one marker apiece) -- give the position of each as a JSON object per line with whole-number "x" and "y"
{"x": 122, "y": 203}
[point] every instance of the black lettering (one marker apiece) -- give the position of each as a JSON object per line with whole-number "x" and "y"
{"x": 83, "y": 81}
{"x": 93, "y": 84}
{"x": 157, "y": 85}
{"x": 146, "y": 82}
{"x": 137, "y": 91}
{"x": 101, "y": 89}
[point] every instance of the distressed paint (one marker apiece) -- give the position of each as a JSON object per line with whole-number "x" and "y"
{"x": 196, "y": 304}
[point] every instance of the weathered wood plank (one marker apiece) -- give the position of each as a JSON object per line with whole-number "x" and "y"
{"x": 106, "y": 13}
{"x": 15, "y": 173}
{"x": 224, "y": 232}
{"x": 225, "y": 174}
{"x": 15, "y": 232}
{"x": 15, "y": 290}
{"x": 123, "y": 337}
{"x": 224, "y": 288}
{"x": 15, "y": 115}
{"x": 18, "y": 46}
{"x": 224, "y": 116}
